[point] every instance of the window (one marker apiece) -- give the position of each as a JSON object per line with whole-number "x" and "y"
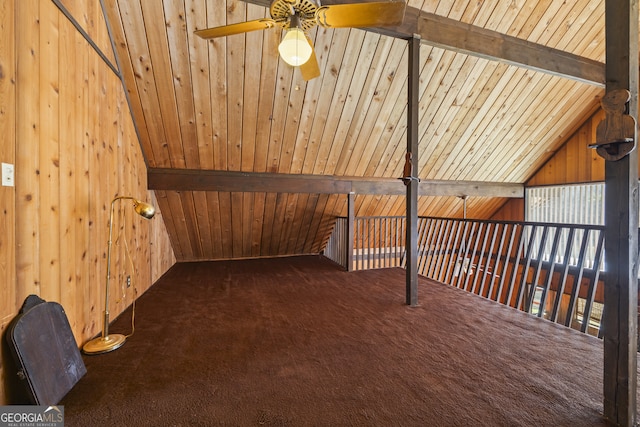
{"x": 566, "y": 204}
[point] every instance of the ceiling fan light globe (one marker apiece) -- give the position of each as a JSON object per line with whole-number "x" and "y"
{"x": 294, "y": 47}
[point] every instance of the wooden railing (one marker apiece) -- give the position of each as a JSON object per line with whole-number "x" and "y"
{"x": 378, "y": 242}
{"x": 337, "y": 248}
{"x": 549, "y": 270}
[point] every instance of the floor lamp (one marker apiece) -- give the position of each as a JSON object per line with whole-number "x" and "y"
{"x": 105, "y": 342}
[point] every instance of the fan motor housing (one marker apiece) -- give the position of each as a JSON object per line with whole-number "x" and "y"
{"x": 305, "y": 9}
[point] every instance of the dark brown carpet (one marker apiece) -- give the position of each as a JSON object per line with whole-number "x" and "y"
{"x": 297, "y": 342}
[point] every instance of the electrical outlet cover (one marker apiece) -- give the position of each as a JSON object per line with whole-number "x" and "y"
{"x": 7, "y": 175}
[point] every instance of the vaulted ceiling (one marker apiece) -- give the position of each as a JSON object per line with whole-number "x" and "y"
{"x": 248, "y": 159}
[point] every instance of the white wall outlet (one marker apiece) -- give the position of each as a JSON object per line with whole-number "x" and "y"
{"x": 7, "y": 175}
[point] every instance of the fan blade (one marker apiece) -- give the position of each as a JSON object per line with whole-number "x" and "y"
{"x": 242, "y": 27}
{"x": 378, "y": 14}
{"x": 310, "y": 69}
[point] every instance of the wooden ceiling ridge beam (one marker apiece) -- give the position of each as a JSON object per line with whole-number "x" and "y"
{"x": 450, "y": 34}
{"x": 229, "y": 181}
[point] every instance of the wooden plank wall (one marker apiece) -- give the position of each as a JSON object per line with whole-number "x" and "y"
{"x": 268, "y": 224}
{"x": 67, "y": 128}
{"x": 573, "y": 163}
{"x": 7, "y": 155}
{"x": 512, "y": 210}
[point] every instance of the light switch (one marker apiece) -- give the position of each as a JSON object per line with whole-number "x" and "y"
{"x": 7, "y": 175}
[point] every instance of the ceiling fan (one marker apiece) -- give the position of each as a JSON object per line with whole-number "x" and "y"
{"x": 299, "y": 16}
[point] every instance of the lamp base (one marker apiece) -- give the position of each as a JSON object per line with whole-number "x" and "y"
{"x": 104, "y": 344}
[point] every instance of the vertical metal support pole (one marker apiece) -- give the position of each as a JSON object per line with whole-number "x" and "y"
{"x": 621, "y": 226}
{"x": 411, "y": 181}
{"x": 351, "y": 198}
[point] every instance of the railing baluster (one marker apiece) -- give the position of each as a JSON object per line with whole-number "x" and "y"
{"x": 385, "y": 245}
{"x": 464, "y": 264}
{"x": 373, "y": 244}
{"x": 376, "y": 242}
{"x": 536, "y": 276}
{"x": 577, "y": 282}
{"x": 525, "y": 267}
{"x": 479, "y": 268}
{"x": 358, "y": 241}
{"x": 442, "y": 249}
{"x": 365, "y": 243}
{"x": 552, "y": 263}
{"x": 363, "y": 231}
{"x": 401, "y": 250}
{"x": 435, "y": 257}
{"x": 403, "y": 241}
{"x": 369, "y": 235}
{"x": 484, "y": 270}
{"x": 453, "y": 257}
{"x": 342, "y": 243}
{"x": 471, "y": 269}
{"x": 397, "y": 229}
{"x": 359, "y": 246}
{"x": 564, "y": 272}
{"x": 432, "y": 225}
{"x": 381, "y": 243}
{"x": 461, "y": 261}
{"x": 593, "y": 284}
{"x": 432, "y": 230}
{"x": 516, "y": 230}
{"x": 460, "y": 256}
{"x": 496, "y": 262}
{"x": 385, "y": 242}
{"x": 433, "y": 248}
{"x": 446, "y": 257}
{"x": 423, "y": 231}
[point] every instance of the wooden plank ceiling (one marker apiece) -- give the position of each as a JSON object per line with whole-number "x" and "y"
{"x": 232, "y": 109}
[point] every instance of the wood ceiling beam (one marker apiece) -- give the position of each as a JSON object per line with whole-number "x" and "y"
{"x": 472, "y": 40}
{"x": 247, "y": 182}
{"x": 477, "y": 41}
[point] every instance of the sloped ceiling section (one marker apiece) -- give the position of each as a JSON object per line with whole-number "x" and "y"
{"x": 231, "y": 108}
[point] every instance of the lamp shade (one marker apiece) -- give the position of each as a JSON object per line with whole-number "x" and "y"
{"x": 143, "y": 209}
{"x": 294, "y": 48}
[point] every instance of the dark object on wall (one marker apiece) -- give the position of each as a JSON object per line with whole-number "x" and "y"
{"x": 48, "y": 361}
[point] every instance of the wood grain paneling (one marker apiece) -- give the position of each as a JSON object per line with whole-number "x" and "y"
{"x": 7, "y": 155}
{"x": 67, "y": 128}
{"x": 27, "y": 144}
{"x": 49, "y": 202}
{"x": 512, "y": 210}
{"x": 487, "y": 112}
{"x": 574, "y": 162}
